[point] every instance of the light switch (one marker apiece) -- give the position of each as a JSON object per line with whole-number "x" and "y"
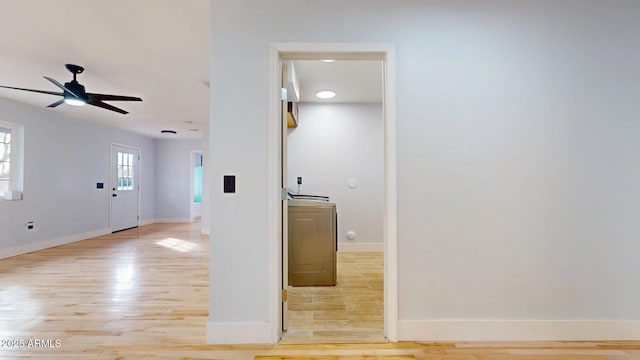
{"x": 229, "y": 184}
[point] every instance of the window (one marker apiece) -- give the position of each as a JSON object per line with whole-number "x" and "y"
{"x": 125, "y": 172}
{"x": 10, "y": 160}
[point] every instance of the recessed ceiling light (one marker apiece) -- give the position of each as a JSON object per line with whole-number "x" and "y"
{"x": 326, "y": 94}
{"x": 328, "y": 60}
{"x": 172, "y": 132}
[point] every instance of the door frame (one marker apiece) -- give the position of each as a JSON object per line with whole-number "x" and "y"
{"x": 111, "y": 174}
{"x": 339, "y": 51}
{"x": 191, "y": 188}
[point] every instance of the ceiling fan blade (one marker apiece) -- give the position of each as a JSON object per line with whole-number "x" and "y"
{"x": 105, "y": 97}
{"x": 56, "y": 83}
{"x": 107, "y": 106}
{"x": 32, "y": 90}
{"x": 56, "y": 103}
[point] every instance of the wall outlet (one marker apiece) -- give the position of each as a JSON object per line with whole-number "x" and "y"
{"x": 30, "y": 225}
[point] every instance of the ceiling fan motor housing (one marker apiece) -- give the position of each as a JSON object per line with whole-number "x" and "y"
{"x": 77, "y": 89}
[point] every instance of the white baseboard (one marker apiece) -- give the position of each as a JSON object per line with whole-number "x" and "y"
{"x": 164, "y": 221}
{"x": 171, "y": 220}
{"x": 41, "y": 245}
{"x": 238, "y": 333}
{"x": 360, "y": 247}
{"x": 146, "y": 222}
{"x": 515, "y": 330}
{"x": 204, "y": 231}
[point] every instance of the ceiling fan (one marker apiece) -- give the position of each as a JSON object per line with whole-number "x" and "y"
{"x": 73, "y": 93}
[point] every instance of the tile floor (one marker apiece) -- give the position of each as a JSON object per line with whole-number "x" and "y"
{"x": 351, "y": 311}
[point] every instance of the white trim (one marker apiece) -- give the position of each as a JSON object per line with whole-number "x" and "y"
{"x": 274, "y": 215}
{"x": 146, "y": 222}
{"x": 171, "y": 220}
{"x": 41, "y": 245}
{"x": 360, "y": 247}
{"x": 166, "y": 221}
{"x": 372, "y": 51}
{"x": 237, "y": 333}
{"x": 390, "y": 220}
{"x": 518, "y": 330}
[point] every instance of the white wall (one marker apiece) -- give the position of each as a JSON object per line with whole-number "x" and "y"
{"x": 332, "y": 144}
{"x": 517, "y": 159}
{"x": 173, "y": 179}
{"x": 64, "y": 158}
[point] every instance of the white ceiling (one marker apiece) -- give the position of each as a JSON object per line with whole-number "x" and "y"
{"x": 353, "y": 81}
{"x": 154, "y": 49}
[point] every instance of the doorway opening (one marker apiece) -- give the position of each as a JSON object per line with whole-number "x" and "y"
{"x": 195, "y": 193}
{"x": 334, "y": 148}
{"x": 387, "y": 258}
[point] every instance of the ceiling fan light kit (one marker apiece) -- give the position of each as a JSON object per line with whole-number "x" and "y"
{"x": 74, "y": 102}
{"x": 73, "y": 93}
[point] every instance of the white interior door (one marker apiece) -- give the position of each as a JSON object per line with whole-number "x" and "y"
{"x": 285, "y": 203}
{"x": 285, "y": 207}
{"x": 125, "y": 187}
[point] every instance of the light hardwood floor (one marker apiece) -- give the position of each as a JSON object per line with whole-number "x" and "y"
{"x": 143, "y": 294}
